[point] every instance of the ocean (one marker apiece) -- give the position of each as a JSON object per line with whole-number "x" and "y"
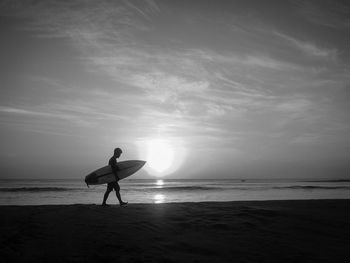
{"x": 71, "y": 191}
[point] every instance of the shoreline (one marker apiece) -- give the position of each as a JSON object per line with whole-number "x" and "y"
{"x": 113, "y": 204}
{"x": 235, "y": 231}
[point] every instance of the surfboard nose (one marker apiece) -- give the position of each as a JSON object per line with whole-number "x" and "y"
{"x": 141, "y": 163}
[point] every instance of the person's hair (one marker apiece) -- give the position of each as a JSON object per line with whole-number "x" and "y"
{"x": 117, "y": 151}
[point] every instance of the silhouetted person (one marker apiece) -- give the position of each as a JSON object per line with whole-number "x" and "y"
{"x": 114, "y": 185}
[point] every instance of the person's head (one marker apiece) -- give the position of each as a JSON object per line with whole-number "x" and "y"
{"x": 117, "y": 152}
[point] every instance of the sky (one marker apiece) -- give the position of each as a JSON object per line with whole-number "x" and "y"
{"x": 230, "y": 89}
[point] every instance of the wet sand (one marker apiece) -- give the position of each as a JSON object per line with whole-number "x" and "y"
{"x": 264, "y": 231}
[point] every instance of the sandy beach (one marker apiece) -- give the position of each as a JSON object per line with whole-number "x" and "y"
{"x": 264, "y": 231}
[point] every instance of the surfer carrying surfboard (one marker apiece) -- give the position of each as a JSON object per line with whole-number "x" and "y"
{"x": 114, "y": 185}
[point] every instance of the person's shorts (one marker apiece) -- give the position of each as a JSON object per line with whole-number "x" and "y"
{"x": 113, "y": 185}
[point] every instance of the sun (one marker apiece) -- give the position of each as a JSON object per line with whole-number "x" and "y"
{"x": 163, "y": 155}
{"x": 160, "y": 156}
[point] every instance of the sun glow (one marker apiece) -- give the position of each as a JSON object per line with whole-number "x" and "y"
{"x": 160, "y": 155}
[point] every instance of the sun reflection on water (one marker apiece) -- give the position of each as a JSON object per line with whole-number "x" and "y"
{"x": 159, "y": 198}
{"x": 159, "y": 183}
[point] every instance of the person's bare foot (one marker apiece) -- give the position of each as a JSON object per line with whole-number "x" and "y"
{"x": 104, "y": 204}
{"x": 123, "y": 203}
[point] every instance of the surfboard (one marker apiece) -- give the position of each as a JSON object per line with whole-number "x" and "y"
{"x": 105, "y": 174}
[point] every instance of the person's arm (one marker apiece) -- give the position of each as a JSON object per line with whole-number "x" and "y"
{"x": 115, "y": 167}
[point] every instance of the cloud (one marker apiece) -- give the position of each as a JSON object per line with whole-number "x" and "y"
{"x": 189, "y": 82}
{"x": 22, "y": 111}
{"x": 63, "y": 115}
{"x": 267, "y": 62}
{"x": 85, "y": 23}
{"x": 165, "y": 87}
{"x": 294, "y": 106}
{"x": 309, "y": 48}
{"x": 77, "y": 113}
{"x": 206, "y": 91}
{"x": 144, "y": 8}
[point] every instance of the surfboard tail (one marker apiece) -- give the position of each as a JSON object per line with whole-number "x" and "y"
{"x": 87, "y": 183}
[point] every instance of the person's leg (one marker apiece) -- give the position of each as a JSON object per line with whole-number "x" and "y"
{"x": 109, "y": 189}
{"x": 117, "y": 193}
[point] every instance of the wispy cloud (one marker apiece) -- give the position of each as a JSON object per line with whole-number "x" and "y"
{"x": 296, "y": 105}
{"x": 22, "y": 111}
{"x": 309, "y": 48}
{"x": 45, "y": 114}
{"x": 266, "y": 62}
{"x": 148, "y": 6}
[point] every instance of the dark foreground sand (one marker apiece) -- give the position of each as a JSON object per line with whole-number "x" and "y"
{"x": 269, "y": 231}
